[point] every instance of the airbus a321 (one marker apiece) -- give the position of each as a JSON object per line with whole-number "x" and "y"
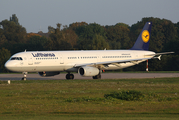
{"x": 85, "y": 62}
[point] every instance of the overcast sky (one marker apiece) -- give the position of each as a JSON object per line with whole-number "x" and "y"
{"x": 36, "y": 15}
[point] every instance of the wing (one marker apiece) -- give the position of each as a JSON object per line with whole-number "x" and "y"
{"x": 111, "y": 62}
{"x": 123, "y": 61}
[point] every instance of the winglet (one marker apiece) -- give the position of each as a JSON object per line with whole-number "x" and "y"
{"x": 142, "y": 42}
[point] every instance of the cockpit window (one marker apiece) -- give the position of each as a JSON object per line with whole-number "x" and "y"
{"x": 16, "y": 58}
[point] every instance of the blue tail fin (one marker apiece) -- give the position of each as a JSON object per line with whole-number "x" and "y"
{"x": 142, "y": 42}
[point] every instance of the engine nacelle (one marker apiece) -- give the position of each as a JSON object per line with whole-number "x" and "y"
{"x": 88, "y": 71}
{"x": 48, "y": 74}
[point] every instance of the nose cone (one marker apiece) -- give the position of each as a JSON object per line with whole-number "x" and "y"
{"x": 10, "y": 65}
{"x": 7, "y": 65}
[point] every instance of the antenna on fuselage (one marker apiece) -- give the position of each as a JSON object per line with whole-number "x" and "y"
{"x": 25, "y": 50}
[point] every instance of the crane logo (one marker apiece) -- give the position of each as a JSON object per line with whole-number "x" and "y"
{"x": 145, "y": 36}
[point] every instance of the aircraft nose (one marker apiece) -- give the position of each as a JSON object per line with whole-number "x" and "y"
{"x": 7, "y": 65}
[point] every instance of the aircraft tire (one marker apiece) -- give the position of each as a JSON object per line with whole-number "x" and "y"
{"x": 97, "y": 76}
{"x": 69, "y": 76}
{"x": 24, "y": 78}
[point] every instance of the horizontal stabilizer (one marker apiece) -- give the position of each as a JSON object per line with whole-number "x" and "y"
{"x": 159, "y": 53}
{"x": 159, "y": 57}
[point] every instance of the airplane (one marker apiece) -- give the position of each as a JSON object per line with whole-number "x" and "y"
{"x": 85, "y": 62}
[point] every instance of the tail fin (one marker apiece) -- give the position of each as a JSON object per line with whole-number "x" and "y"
{"x": 142, "y": 42}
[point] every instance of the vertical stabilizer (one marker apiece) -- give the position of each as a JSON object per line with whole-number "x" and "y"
{"x": 142, "y": 42}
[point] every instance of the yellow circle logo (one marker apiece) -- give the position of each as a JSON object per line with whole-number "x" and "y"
{"x": 145, "y": 36}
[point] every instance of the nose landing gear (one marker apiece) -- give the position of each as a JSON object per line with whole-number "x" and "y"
{"x": 25, "y": 76}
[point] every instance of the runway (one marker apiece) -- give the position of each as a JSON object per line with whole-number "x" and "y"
{"x": 77, "y": 76}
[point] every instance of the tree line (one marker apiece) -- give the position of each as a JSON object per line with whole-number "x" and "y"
{"x": 83, "y": 36}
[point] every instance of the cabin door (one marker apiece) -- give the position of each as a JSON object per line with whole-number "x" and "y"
{"x": 30, "y": 60}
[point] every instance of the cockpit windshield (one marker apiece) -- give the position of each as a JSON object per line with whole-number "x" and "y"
{"x": 16, "y": 58}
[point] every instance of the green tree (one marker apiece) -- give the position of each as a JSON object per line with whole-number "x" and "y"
{"x": 118, "y": 36}
{"x": 13, "y": 33}
{"x": 173, "y": 59}
{"x": 99, "y": 43}
{"x": 3, "y": 39}
{"x": 91, "y": 34}
{"x": 114, "y": 45}
{"x": 70, "y": 37}
{"x": 77, "y": 24}
{"x": 4, "y": 56}
{"x": 62, "y": 39}
{"x": 36, "y": 43}
{"x": 51, "y": 29}
{"x": 14, "y": 19}
{"x": 177, "y": 29}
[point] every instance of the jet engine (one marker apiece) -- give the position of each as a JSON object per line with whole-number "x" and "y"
{"x": 48, "y": 74}
{"x": 88, "y": 71}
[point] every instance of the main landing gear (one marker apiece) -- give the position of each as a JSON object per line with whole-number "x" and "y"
{"x": 97, "y": 76}
{"x": 25, "y": 76}
{"x": 69, "y": 76}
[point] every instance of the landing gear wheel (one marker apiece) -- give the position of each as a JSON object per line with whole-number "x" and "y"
{"x": 97, "y": 76}
{"x": 25, "y": 76}
{"x": 69, "y": 76}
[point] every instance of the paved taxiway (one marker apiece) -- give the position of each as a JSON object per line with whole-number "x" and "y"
{"x": 77, "y": 76}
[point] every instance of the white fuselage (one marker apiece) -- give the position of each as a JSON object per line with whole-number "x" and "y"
{"x": 67, "y": 60}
